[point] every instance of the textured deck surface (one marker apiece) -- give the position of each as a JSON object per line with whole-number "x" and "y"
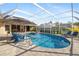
{"x": 23, "y": 50}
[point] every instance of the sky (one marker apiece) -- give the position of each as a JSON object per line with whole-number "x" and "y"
{"x": 42, "y": 12}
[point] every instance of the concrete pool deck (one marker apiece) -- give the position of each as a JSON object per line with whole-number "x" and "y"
{"x": 20, "y": 49}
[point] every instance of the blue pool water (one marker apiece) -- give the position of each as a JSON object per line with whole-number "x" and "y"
{"x": 43, "y": 40}
{"x": 48, "y": 40}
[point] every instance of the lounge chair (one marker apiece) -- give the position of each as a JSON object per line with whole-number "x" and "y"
{"x": 71, "y": 34}
{"x": 74, "y": 34}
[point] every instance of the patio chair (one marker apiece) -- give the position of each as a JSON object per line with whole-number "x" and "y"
{"x": 18, "y": 37}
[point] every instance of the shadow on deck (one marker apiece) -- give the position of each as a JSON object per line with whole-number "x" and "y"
{"x": 40, "y": 51}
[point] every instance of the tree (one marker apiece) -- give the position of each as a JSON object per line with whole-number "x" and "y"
{"x": 76, "y": 23}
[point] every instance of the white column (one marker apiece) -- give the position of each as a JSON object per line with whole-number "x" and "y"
{"x": 59, "y": 28}
{"x": 44, "y": 28}
{"x": 10, "y": 29}
{"x": 36, "y": 29}
{"x": 50, "y": 28}
{"x": 25, "y": 29}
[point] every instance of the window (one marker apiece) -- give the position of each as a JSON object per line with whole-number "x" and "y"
{"x": 14, "y": 28}
{"x": 7, "y": 28}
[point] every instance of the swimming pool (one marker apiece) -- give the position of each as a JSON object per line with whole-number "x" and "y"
{"x": 48, "y": 40}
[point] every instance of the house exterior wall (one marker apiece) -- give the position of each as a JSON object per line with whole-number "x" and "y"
{"x": 2, "y": 29}
{"x": 4, "y": 32}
